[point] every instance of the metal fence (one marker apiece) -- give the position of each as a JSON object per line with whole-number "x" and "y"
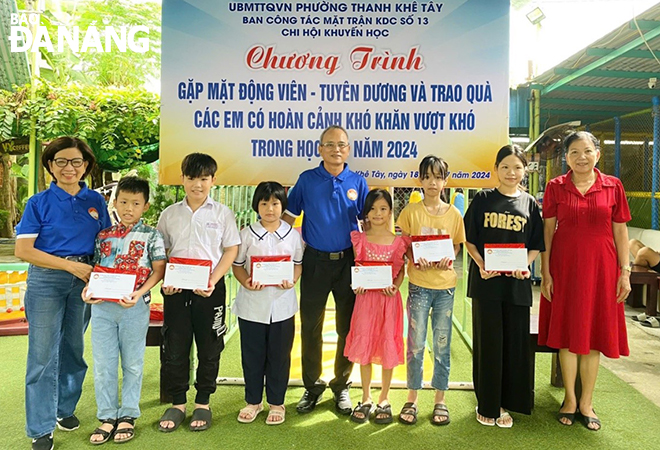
{"x": 627, "y": 151}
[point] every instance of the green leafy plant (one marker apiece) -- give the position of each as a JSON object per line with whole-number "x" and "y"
{"x": 120, "y": 124}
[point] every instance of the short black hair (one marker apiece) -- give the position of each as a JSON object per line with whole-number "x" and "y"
{"x": 577, "y": 135}
{"x": 265, "y": 191}
{"x": 62, "y": 143}
{"x": 333, "y": 127}
{"x": 133, "y": 185}
{"x": 372, "y": 197}
{"x": 509, "y": 150}
{"x": 436, "y": 165}
{"x": 196, "y": 165}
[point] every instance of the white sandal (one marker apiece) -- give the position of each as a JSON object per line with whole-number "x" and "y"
{"x": 276, "y": 413}
{"x": 499, "y": 421}
{"x": 249, "y": 409}
{"x": 483, "y": 422}
{"x": 651, "y": 322}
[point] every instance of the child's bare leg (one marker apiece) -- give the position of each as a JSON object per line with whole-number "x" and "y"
{"x": 383, "y": 399}
{"x": 365, "y": 378}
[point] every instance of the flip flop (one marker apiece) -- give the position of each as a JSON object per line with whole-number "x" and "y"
{"x": 172, "y": 415}
{"x": 504, "y": 415}
{"x": 201, "y": 415}
{"x": 651, "y": 322}
{"x": 408, "y": 409}
{"x": 440, "y": 410}
{"x": 249, "y": 410}
{"x": 483, "y": 422}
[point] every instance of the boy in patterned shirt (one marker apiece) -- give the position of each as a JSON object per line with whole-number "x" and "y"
{"x": 119, "y": 328}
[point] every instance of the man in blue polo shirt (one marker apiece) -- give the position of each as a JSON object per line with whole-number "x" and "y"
{"x": 332, "y": 198}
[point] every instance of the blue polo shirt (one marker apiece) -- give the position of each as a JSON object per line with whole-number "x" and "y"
{"x": 331, "y": 204}
{"x": 63, "y": 224}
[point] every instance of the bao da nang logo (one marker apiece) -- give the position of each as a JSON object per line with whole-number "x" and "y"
{"x": 102, "y": 39}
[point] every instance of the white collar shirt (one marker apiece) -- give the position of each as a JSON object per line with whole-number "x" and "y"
{"x": 200, "y": 234}
{"x": 271, "y": 304}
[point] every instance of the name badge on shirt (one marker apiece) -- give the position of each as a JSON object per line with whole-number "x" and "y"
{"x": 212, "y": 225}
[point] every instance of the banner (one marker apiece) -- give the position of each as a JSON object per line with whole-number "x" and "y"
{"x": 255, "y": 83}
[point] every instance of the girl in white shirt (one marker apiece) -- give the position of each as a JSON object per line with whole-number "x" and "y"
{"x": 266, "y": 313}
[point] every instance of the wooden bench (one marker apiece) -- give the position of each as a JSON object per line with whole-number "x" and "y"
{"x": 640, "y": 282}
{"x": 534, "y": 348}
{"x": 155, "y": 339}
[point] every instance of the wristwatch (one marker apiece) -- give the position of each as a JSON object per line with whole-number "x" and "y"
{"x": 628, "y": 267}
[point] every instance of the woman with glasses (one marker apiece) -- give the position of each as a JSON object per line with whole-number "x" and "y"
{"x": 56, "y": 236}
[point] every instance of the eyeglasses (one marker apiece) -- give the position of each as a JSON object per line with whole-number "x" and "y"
{"x": 331, "y": 145}
{"x": 75, "y": 162}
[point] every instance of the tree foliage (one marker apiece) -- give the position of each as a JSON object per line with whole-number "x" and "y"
{"x": 120, "y": 124}
{"x": 92, "y": 67}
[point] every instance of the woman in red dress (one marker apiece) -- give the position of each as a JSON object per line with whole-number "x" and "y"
{"x": 586, "y": 273}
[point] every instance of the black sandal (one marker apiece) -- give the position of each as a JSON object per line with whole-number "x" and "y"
{"x": 408, "y": 409}
{"x": 589, "y": 420}
{"x": 174, "y": 415}
{"x": 125, "y": 430}
{"x": 386, "y": 412}
{"x": 440, "y": 410}
{"x": 569, "y": 416}
{"x": 365, "y": 409}
{"x": 201, "y": 415}
{"x": 105, "y": 434}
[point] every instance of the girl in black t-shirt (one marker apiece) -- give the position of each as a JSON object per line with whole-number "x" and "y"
{"x": 500, "y": 302}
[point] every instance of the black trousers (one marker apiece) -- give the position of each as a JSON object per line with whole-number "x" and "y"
{"x": 266, "y": 353}
{"x": 320, "y": 276}
{"x": 188, "y": 315}
{"x": 501, "y": 358}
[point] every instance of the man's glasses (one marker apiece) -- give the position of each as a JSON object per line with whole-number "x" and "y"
{"x": 75, "y": 162}
{"x": 331, "y": 145}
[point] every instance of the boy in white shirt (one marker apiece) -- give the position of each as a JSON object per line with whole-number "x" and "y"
{"x": 198, "y": 228}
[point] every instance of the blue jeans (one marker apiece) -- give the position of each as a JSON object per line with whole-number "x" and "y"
{"x": 420, "y": 302}
{"x": 55, "y": 366}
{"x": 118, "y": 331}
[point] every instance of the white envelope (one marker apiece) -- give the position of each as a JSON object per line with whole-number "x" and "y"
{"x": 187, "y": 276}
{"x": 505, "y": 259}
{"x": 433, "y": 250}
{"x": 111, "y": 285}
{"x": 371, "y": 277}
{"x": 272, "y": 273}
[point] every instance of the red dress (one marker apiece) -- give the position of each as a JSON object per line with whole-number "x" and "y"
{"x": 376, "y": 334}
{"x": 584, "y": 314}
